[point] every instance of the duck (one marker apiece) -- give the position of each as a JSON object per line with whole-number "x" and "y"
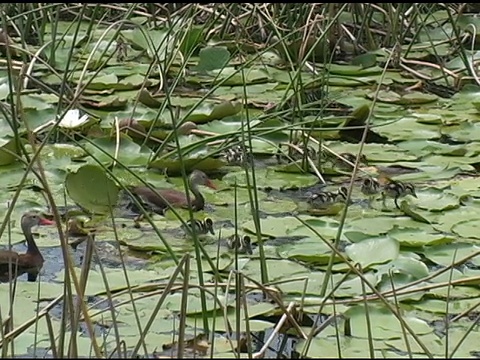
{"x": 236, "y": 155}
{"x": 13, "y": 264}
{"x": 325, "y": 198}
{"x": 396, "y": 190}
{"x": 242, "y": 244}
{"x": 159, "y": 200}
{"x": 370, "y": 187}
{"x": 200, "y": 227}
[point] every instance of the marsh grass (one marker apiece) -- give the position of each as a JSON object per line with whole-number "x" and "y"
{"x": 305, "y": 34}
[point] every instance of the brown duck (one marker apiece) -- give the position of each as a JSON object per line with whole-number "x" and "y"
{"x": 32, "y": 261}
{"x": 158, "y": 200}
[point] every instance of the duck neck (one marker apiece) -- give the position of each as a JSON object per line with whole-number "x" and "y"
{"x": 199, "y": 202}
{"x": 32, "y": 247}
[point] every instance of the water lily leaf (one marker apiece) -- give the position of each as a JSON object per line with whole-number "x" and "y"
{"x": 446, "y": 221}
{"x": 233, "y": 77}
{"x": 158, "y": 43}
{"x": 4, "y": 90}
{"x": 404, "y": 265}
{"x": 381, "y": 225}
{"x": 408, "y": 128}
{"x": 383, "y": 324}
{"x": 373, "y": 251}
{"x": 37, "y": 101}
{"x": 436, "y": 200}
{"x": 270, "y": 179}
{"x": 412, "y": 98}
{"x": 348, "y": 347}
{"x": 412, "y": 238}
{"x": 173, "y": 166}
{"x": 193, "y": 36}
{"x": 92, "y": 189}
{"x": 309, "y": 250}
{"x": 208, "y": 111}
{"x": 103, "y": 82}
{"x": 467, "y": 229}
{"x": 129, "y": 153}
{"x": 447, "y": 254}
{"x": 8, "y": 150}
{"x": 463, "y": 187}
{"x": 365, "y": 60}
{"x": 222, "y": 325}
{"x": 464, "y": 132}
{"x": 407, "y": 210}
{"x": 375, "y": 152}
{"x": 277, "y": 269}
{"x": 213, "y": 57}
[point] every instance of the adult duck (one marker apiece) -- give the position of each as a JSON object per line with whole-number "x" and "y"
{"x": 159, "y": 200}
{"x": 13, "y": 264}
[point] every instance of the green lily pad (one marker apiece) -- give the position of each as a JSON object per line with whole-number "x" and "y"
{"x": 129, "y": 153}
{"x": 208, "y": 111}
{"x": 417, "y": 238}
{"x": 446, "y": 254}
{"x": 373, "y": 251}
{"x": 213, "y": 57}
{"x": 8, "y": 150}
{"x": 91, "y": 188}
{"x": 308, "y": 250}
{"x": 269, "y": 179}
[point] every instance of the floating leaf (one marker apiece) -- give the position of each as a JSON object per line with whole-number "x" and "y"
{"x": 207, "y": 111}
{"x": 92, "y": 189}
{"x": 270, "y": 179}
{"x": 8, "y": 151}
{"x": 104, "y": 150}
{"x": 373, "y": 251}
{"x": 417, "y": 238}
{"x": 213, "y": 57}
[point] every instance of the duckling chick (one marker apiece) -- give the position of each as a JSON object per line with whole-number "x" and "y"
{"x": 199, "y": 227}
{"x": 325, "y": 198}
{"x": 235, "y": 155}
{"x": 242, "y": 244}
{"x": 370, "y": 187}
{"x": 396, "y": 190}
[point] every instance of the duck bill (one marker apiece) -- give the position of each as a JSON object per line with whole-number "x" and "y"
{"x": 211, "y": 185}
{"x": 44, "y": 221}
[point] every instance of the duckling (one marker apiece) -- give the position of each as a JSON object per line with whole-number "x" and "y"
{"x": 234, "y": 155}
{"x": 326, "y": 198}
{"x": 243, "y": 244}
{"x": 370, "y": 187}
{"x": 396, "y": 190}
{"x": 200, "y": 227}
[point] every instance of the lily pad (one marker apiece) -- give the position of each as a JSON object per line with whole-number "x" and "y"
{"x": 270, "y": 179}
{"x": 92, "y": 189}
{"x": 373, "y": 251}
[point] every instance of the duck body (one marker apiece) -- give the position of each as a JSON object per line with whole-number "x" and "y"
{"x": 241, "y": 244}
{"x": 200, "y": 227}
{"x": 397, "y": 190}
{"x": 13, "y": 264}
{"x": 326, "y": 198}
{"x": 370, "y": 187}
{"x": 159, "y": 200}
